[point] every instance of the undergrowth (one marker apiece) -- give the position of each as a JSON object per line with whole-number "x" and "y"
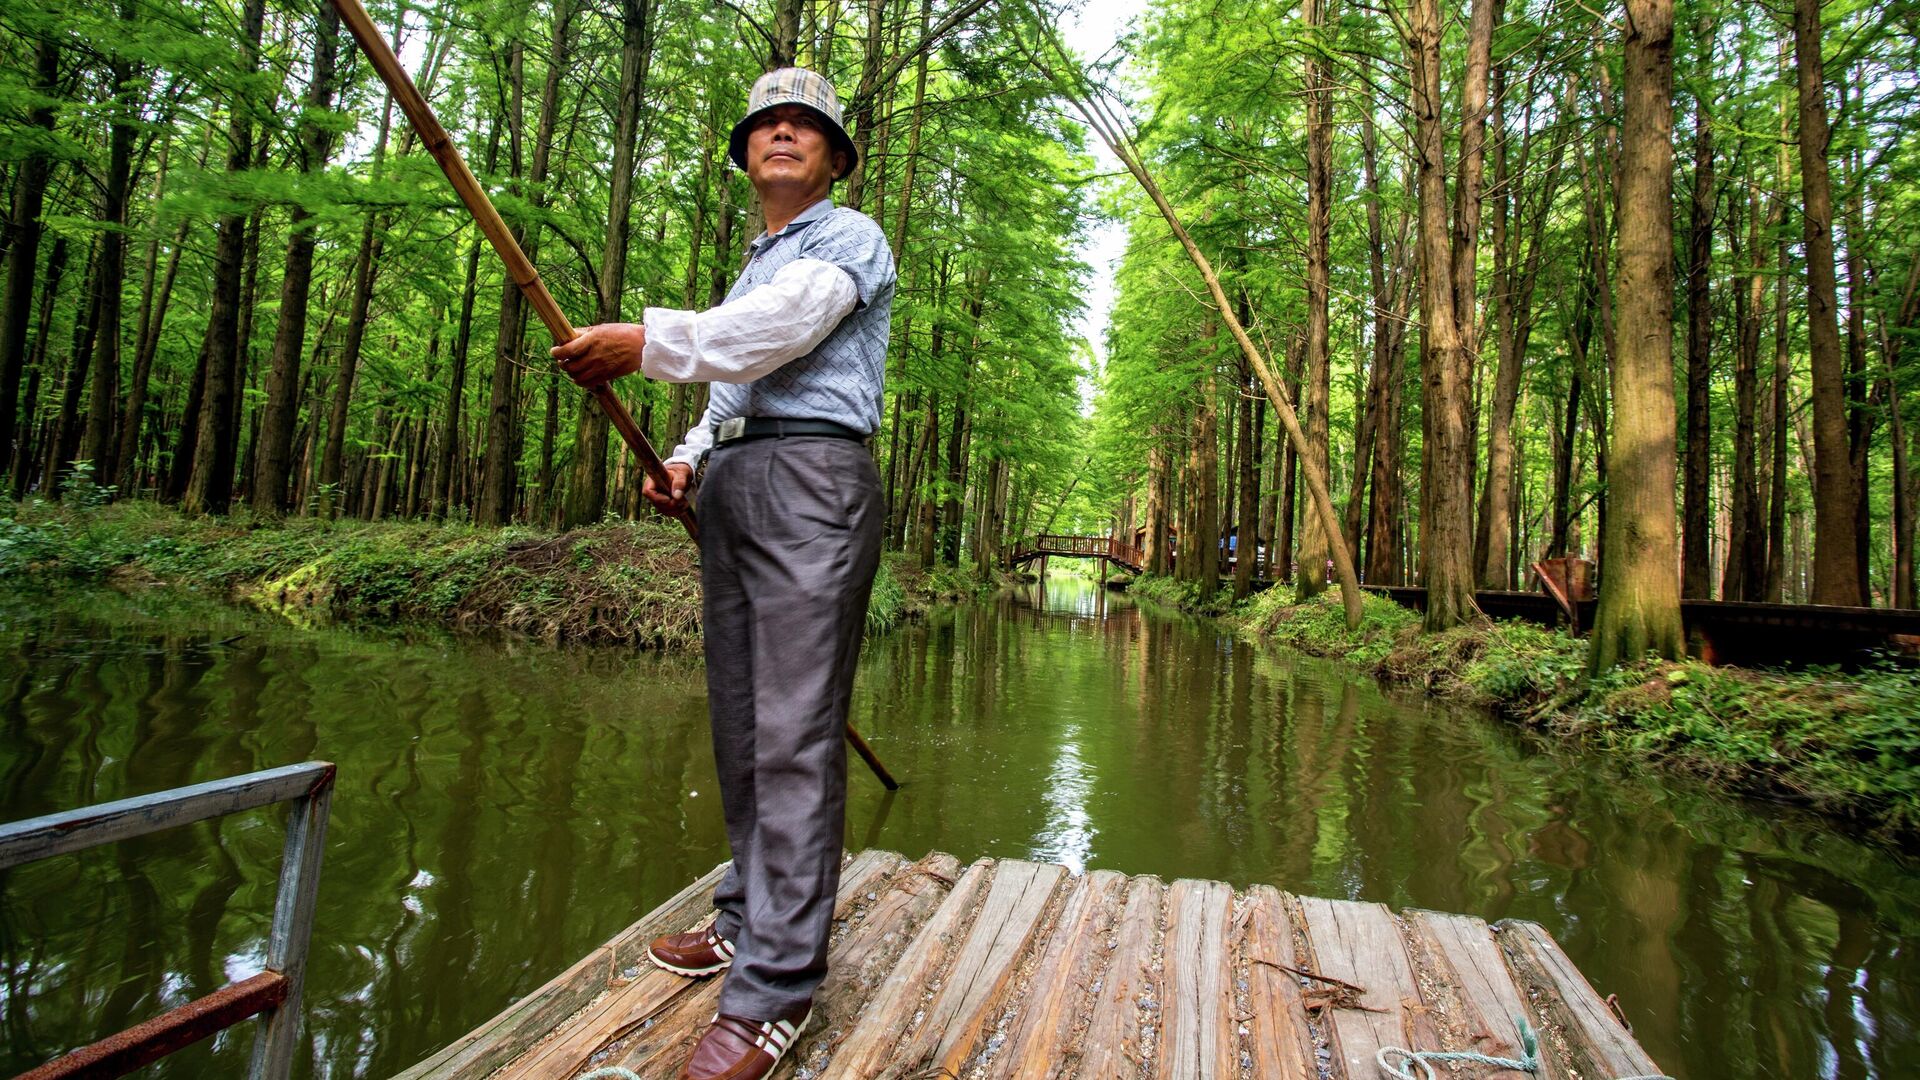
{"x": 625, "y": 582}
{"x": 1846, "y": 743}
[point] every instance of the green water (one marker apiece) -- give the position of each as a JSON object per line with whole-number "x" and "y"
{"x": 503, "y": 808}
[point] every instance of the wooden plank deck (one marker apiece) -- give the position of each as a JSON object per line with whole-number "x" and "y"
{"x": 1016, "y": 969}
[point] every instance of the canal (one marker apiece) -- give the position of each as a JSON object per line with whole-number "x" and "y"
{"x": 504, "y": 807}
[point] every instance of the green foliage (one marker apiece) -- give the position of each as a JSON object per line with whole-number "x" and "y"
{"x": 1174, "y": 593}
{"x": 1319, "y": 626}
{"x": 887, "y": 605}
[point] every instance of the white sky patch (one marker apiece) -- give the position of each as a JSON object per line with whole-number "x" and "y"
{"x": 1094, "y": 32}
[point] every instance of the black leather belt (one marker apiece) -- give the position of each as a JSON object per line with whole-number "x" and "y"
{"x": 743, "y": 428}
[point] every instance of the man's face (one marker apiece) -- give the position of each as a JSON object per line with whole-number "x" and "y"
{"x": 788, "y": 146}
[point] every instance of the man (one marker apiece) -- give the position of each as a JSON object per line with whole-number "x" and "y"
{"x": 790, "y": 522}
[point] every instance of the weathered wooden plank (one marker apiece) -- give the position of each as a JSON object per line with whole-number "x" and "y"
{"x": 1044, "y": 1042}
{"x": 1489, "y": 1005}
{"x": 891, "y": 1010}
{"x": 1281, "y": 1044}
{"x": 631, "y": 1005}
{"x": 861, "y": 960}
{"x": 1119, "y": 1040}
{"x": 520, "y": 1025}
{"x": 1196, "y": 1002}
{"x": 1573, "y": 1020}
{"x": 982, "y": 970}
{"x": 1360, "y": 945}
{"x": 660, "y": 1048}
{"x": 124, "y": 819}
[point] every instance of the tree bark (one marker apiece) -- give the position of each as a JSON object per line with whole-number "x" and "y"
{"x": 495, "y": 503}
{"x": 1836, "y": 568}
{"x": 587, "y": 497}
{"x": 273, "y": 463}
{"x": 1312, "y": 580}
{"x": 29, "y": 197}
{"x": 1246, "y": 533}
{"x": 365, "y": 267}
{"x": 210, "y": 485}
{"x": 63, "y": 445}
{"x": 1446, "y": 534}
{"x": 22, "y": 465}
{"x": 103, "y": 408}
{"x": 1696, "y": 547}
{"x": 1639, "y": 611}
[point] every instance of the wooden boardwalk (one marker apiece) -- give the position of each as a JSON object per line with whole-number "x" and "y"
{"x": 1018, "y": 969}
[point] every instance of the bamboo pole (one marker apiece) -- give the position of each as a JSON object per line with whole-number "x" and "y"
{"x": 474, "y": 197}
{"x": 520, "y": 269}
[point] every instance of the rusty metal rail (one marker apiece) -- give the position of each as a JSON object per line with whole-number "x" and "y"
{"x": 274, "y": 994}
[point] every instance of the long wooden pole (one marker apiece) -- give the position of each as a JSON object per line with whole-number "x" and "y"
{"x": 1113, "y": 132}
{"x": 521, "y": 270}
{"x": 474, "y": 197}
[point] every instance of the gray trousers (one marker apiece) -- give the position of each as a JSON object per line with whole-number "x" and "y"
{"x": 789, "y": 541}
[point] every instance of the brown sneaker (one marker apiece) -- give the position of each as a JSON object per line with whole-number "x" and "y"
{"x": 735, "y": 1048}
{"x": 701, "y": 952}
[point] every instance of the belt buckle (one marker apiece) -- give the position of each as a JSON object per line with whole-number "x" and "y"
{"x": 729, "y": 430}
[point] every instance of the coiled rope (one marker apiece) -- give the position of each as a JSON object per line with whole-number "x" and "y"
{"x": 1399, "y": 1062}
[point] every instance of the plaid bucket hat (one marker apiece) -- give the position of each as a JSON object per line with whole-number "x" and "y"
{"x": 794, "y": 86}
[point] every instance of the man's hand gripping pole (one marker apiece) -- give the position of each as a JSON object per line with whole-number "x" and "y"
{"x": 474, "y": 197}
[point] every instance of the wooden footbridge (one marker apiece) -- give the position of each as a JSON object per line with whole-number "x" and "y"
{"x": 1017, "y": 969}
{"x": 1111, "y": 551}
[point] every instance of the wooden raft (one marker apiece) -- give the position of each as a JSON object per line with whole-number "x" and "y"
{"x": 1018, "y": 969}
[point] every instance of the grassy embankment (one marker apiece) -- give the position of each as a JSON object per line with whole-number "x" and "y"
{"x": 1844, "y": 743}
{"x": 620, "y": 582}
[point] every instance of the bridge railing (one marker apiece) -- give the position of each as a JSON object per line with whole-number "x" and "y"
{"x": 274, "y": 994}
{"x": 1088, "y": 546}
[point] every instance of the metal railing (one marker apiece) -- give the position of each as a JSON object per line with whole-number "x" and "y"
{"x": 273, "y": 994}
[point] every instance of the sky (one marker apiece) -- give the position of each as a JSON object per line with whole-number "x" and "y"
{"x": 1092, "y": 32}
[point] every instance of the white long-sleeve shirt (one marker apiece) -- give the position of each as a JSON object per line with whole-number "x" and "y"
{"x": 747, "y": 337}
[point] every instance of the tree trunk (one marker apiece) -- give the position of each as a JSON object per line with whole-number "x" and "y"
{"x": 1639, "y": 611}
{"x": 497, "y": 473}
{"x": 153, "y": 317}
{"x": 29, "y": 196}
{"x": 64, "y": 443}
{"x": 273, "y": 464}
{"x": 1696, "y": 577}
{"x": 365, "y": 267}
{"x": 1200, "y": 547}
{"x": 1836, "y": 569}
{"x": 1777, "y": 464}
{"x": 1314, "y": 549}
{"x": 587, "y": 498}
{"x": 1246, "y": 533}
{"x": 50, "y": 291}
{"x": 210, "y": 485}
{"x": 1446, "y": 534}
{"x": 1892, "y": 347}
{"x": 103, "y": 408}
{"x": 1746, "y": 550}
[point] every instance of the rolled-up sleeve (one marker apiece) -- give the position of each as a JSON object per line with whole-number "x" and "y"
{"x": 745, "y": 338}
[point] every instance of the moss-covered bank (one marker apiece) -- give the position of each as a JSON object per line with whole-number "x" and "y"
{"x": 620, "y": 582}
{"x": 1844, "y": 743}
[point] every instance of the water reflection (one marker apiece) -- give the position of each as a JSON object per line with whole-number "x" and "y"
{"x": 504, "y": 808}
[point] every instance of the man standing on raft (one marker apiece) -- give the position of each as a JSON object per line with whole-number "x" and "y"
{"x": 790, "y": 522}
